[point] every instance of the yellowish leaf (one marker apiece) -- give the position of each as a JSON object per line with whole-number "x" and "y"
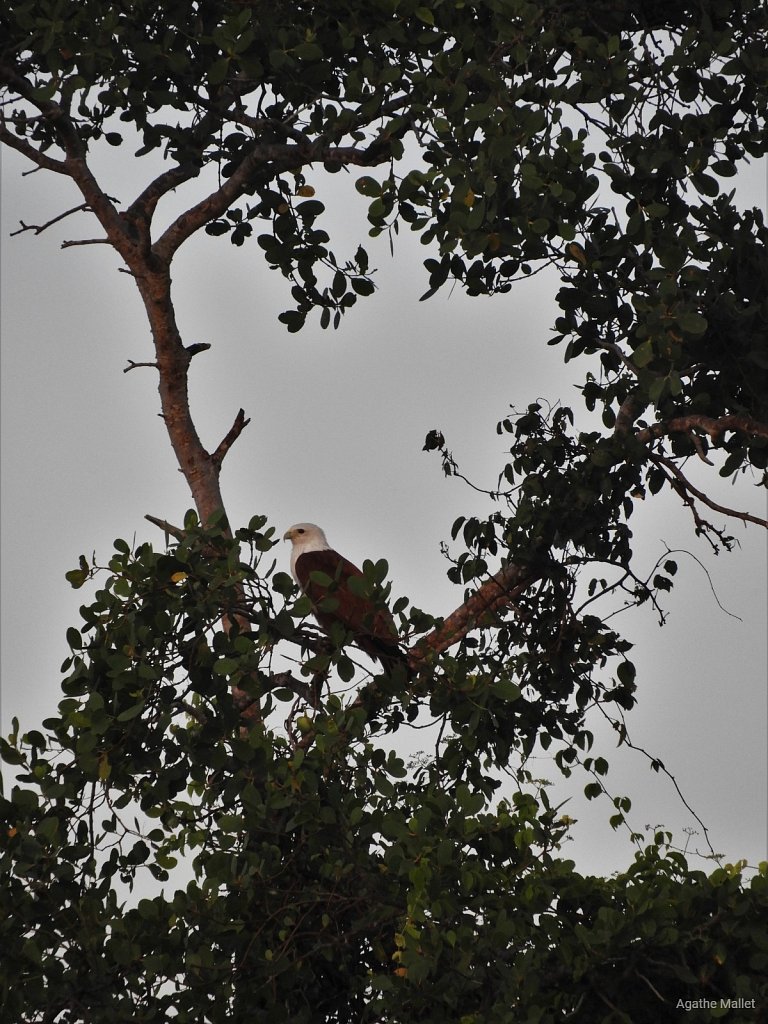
{"x": 576, "y": 252}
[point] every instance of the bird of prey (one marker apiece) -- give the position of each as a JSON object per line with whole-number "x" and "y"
{"x": 324, "y": 576}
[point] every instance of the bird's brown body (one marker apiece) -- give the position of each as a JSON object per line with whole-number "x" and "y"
{"x": 371, "y": 625}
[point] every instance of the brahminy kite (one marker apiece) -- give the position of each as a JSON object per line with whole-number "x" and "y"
{"x": 371, "y": 625}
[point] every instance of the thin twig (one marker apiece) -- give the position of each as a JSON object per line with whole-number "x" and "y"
{"x": 705, "y": 570}
{"x": 133, "y": 366}
{"x": 686, "y": 484}
{"x": 651, "y": 987}
{"x": 39, "y": 228}
{"x": 232, "y": 435}
{"x": 658, "y": 765}
{"x": 85, "y": 241}
{"x": 174, "y": 531}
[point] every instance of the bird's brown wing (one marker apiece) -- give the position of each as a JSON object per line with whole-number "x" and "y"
{"x": 373, "y": 627}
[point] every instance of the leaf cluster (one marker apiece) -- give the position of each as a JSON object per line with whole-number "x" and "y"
{"x": 327, "y": 879}
{"x": 506, "y": 104}
{"x": 510, "y": 137}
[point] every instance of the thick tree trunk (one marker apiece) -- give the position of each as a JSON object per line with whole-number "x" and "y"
{"x": 200, "y": 468}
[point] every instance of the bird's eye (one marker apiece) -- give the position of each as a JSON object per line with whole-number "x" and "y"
{"x": 301, "y": 531}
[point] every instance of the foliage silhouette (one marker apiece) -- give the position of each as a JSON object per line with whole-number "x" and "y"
{"x": 332, "y": 881}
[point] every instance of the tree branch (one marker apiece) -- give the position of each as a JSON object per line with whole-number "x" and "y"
{"x": 72, "y": 144}
{"x": 197, "y": 347}
{"x": 166, "y": 527}
{"x": 102, "y": 206}
{"x": 42, "y": 160}
{"x": 632, "y": 407}
{"x": 610, "y": 346}
{"x": 218, "y": 113}
{"x": 133, "y": 366}
{"x": 68, "y": 243}
{"x": 40, "y": 228}
{"x": 279, "y": 156}
{"x": 290, "y": 682}
{"x": 144, "y": 204}
{"x": 74, "y": 163}
{"x": 218, "y": 202}
{"x": 232, "y": 435}
{"x": 689, "y": 489}
{"x": 497, "y": 593}
{"x": 715, "y": 427}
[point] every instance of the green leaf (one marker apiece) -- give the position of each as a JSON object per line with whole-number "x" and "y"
{"x": 368, "y": 186}
{"x": 307, "y": 51}
{"x": 131, "y": 713}
{"x": 643, "y": 354}
{"x": 626, "y": 673}
{"x": 506, "y": 690}
{"x": 76, "y": 577}
{"x": 692, "y": 322}
{"x": 363, "y": 286}
{"x": 294, "y": 320}
{"x": 218, "y": 227}
{"x": 218, "y": 71}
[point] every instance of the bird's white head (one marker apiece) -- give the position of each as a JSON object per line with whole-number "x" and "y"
{"x": 305, "y": 537}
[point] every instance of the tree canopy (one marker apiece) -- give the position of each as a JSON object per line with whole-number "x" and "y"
{"x": 333, "y": 881}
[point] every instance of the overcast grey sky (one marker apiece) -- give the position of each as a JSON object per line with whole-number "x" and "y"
{"x": 338, "y": 421}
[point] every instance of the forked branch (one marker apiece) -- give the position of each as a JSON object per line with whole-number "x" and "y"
{"x": 41, "y": 160}
{"x": 687, "y": 489}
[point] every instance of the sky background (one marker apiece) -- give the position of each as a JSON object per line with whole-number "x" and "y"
{"x": 338, "y": 421}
